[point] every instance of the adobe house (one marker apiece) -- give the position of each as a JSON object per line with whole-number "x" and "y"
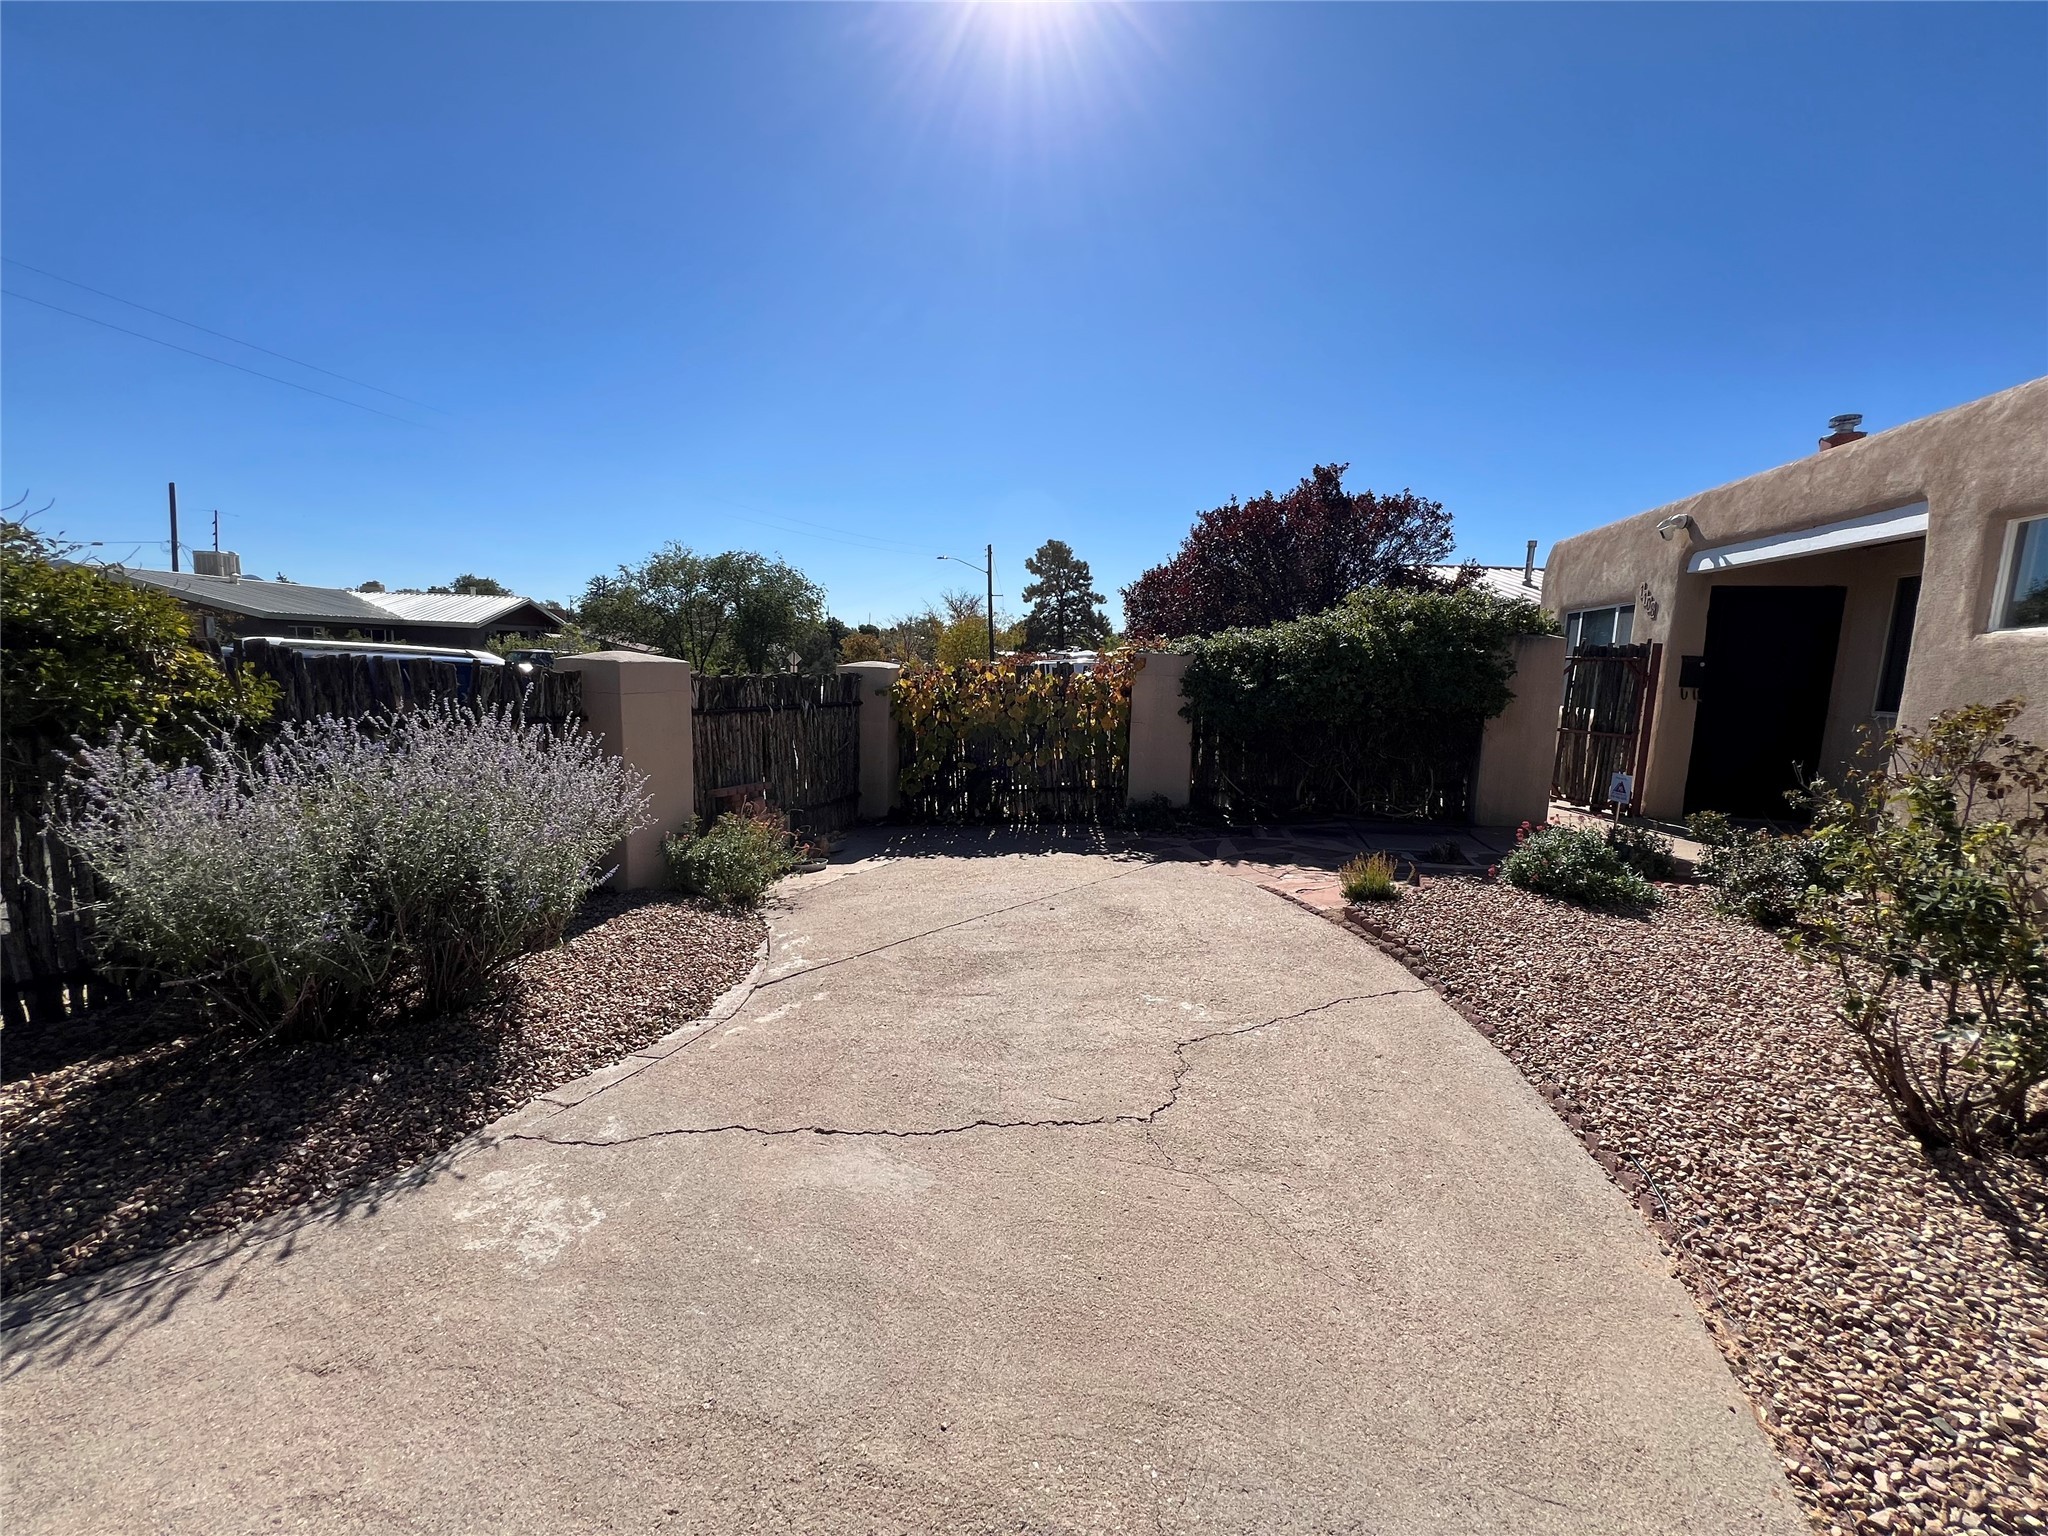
{"x": 1888, "y": 577}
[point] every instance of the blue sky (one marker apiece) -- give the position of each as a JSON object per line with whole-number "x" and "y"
{"x": 861, "y": 286}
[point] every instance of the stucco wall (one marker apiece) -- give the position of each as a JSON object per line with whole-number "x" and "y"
{"x": 1978, "y": 467}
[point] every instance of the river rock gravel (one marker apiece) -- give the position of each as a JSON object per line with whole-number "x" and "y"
{"x": 131, "y": 1128}
{"x": 1887, "y": 1312}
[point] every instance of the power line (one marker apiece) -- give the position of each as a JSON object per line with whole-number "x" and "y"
{"x": 776, "y": 520}
{"x": 190, "y": 352}
{"x": 223, "y": 335}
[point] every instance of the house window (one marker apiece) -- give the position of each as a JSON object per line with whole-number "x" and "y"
{"x": 1599, "y": 626}
{"x": 1898, "y": 646}
{"x": 2023, "y": 593}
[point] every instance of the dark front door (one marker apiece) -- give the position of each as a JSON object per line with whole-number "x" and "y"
{"x": 1770, "y": 665}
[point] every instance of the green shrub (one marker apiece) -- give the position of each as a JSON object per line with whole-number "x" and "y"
{"x": 1373, "y": 707}
{"x": 1642, "y": 850}
{"x": 1934, "y": 892}
{"x": 1155, "y": 813}
{"x": 1759, "y": 876}
{"x": 1576, "y": 864}
{"x": 1710, "y": 829}
{"x": 1370, "y": 878}
{"x": 83, "y": 653}
{"x": 735, "y": 862}
{"x": 346, "y": 875}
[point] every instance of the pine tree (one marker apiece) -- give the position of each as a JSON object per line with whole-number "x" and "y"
{"x": 1066, "y": 612}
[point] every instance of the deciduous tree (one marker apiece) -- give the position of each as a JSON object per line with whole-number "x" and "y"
{"x": 735, "y": 612}
{"x": 1277, "y": 558}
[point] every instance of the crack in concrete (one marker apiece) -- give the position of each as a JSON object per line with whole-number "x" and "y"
{"x": 1183, "y": 1065}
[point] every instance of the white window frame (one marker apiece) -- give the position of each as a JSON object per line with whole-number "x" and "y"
{"x": 1572, "y": 648}
{"x": 2001, "y": 591}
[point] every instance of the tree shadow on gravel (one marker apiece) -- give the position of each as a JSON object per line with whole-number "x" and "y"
{"x": 2011, "y": 1191}
{"x": 142, "y": 1126}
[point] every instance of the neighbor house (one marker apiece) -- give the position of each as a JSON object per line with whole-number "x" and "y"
{"x": 230, "y": 606}
{"x": 1888, "y": 577}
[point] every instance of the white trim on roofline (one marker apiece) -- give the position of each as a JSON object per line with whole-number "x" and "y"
{"x": 1905, "y": 522}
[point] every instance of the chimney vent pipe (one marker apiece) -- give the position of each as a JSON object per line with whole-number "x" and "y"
{"x": 1845, "y": 428}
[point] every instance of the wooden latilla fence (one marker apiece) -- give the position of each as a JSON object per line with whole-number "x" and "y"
{"x": 1000, "y": 742}
{"x": 48, "y": 966}
{"x": 1610, "y": 701}
{"x": 1311, "y": 771}
{"x": 350, "y": 687}
{"x": 791, "y": 740}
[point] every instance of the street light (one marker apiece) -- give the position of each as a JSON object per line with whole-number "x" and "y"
{"x": 989, "y": 571}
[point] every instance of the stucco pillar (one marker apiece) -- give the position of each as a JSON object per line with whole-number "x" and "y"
{"x": 641, "y": 707}
{"x": 1511, "y": 784}
{"x": 877, "y": 735}
{"x": 1162, "y": 738}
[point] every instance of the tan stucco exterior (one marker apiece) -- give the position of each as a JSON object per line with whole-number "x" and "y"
{"x": 1979, "y": 468}
{"x": 878, "y": 746}
{"x": 641, "y": 707}
{"x": 1162, "y": 738}
{"x": 1511, "y": 783}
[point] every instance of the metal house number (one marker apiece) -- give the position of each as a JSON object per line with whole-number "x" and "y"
{"x": 1647, "y": 601}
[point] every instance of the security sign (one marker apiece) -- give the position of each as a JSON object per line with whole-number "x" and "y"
{"x": 1621, "y": 788}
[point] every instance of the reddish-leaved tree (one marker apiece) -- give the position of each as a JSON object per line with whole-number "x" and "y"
{"x": 1281, "y": 557}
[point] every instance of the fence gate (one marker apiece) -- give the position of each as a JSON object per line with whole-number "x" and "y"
{"x": 1610, "y": 700}
{"x": 792, "y": 739}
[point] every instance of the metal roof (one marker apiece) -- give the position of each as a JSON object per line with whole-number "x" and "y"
{"x": 443, "y": 608}
{"x": 290, "y": 602}
{"x": 1500, "y": 580}
{"x": 259, "y": 599}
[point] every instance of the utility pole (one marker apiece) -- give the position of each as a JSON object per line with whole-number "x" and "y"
{"x": 216, "y": 530}
{"x": 174, "y": 525}
{"x": 989, "y": 570}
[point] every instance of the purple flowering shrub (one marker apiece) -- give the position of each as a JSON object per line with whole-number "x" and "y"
{"x": 345, "y": 875}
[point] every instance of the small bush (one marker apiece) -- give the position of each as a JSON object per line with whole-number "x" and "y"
{"x": 735, "y": 862}
{"x": 1760, "y": 877}
{"x": 1644, "y": 851}
{"x": 1932, "y": 911}
{"x": 1576, "y": 864}
{"x": 1370, "y": 878}
{"x": 1710, "y": 829}
{"x": 1154, "y": 814}
{"x": 346, "y": 873}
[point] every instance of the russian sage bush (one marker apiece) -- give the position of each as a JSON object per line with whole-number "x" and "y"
{"x": 347, "y": 872}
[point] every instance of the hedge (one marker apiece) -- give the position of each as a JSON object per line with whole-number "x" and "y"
{"x": 1372, "y": 708}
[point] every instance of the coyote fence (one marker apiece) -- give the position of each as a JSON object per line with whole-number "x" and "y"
{"x": 786, "y": 738}
{"x": 1315, "y": 772}
{"x": 1003, "y": 742}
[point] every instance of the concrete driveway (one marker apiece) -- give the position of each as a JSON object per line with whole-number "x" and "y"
{"x": 1029, "y": 1191}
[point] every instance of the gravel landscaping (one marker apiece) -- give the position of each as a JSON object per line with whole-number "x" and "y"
{"x": 130, "y": 1129}
{"x": 1888, "y": 1314}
